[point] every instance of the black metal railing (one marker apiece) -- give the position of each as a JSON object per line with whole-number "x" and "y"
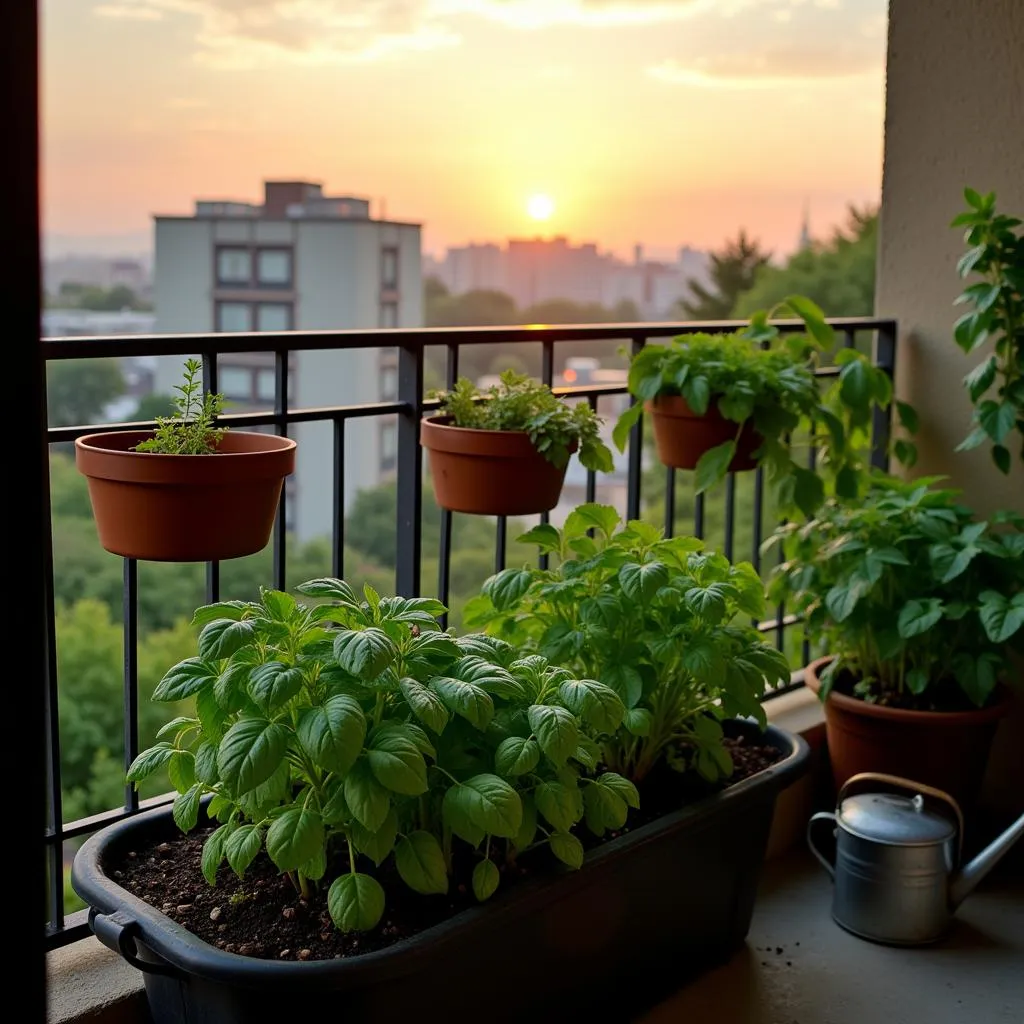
{"x": 411, "y": 403}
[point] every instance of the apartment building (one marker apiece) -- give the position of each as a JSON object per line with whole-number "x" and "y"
{"x": 300, "y": 260}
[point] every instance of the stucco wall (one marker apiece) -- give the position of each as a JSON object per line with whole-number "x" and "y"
{"x": 954, "y": 117}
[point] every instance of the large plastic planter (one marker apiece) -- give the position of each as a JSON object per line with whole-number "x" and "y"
{"x": 645, "y": 913}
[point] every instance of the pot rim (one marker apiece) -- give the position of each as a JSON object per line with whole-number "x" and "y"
{"x": 192, "y": 955}
{"x": 854, "y": 706}
{"x": 438, "y": 433}
{"x": 92, "y": 443}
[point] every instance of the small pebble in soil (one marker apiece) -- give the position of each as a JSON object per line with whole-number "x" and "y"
{"x": 215, "y": 913}
{"x": 285, "y": 953}
{"x": 184, "y": 907}
{"x": 288, "y": 913}
{"x": 304, "y": 954}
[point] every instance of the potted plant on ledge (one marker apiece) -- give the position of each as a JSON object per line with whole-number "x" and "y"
{"x": 188, "y": 491}
{"x": 724, "y": 403}
{"x": 504, "y": 450}
{"x": 374, "y": 817}
{"x": 915, "y": 606}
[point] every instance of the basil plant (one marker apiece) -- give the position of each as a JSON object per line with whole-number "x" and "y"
{"x": 660, "y": 622}
{"x": 353, "y": 731}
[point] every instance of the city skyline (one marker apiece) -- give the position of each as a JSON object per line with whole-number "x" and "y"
{"x": 664, "y": 122}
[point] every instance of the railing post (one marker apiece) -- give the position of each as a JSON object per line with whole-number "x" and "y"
{"x": 881, "y": 425}
{"x": 636, "y": 453}
{"x": 410, "y": 470}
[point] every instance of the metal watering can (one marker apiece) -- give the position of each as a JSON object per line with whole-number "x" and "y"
{"x": 897, "y": 874}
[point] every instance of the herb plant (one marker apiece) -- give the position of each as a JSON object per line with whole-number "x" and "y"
{"x": 518, "y": 402}
{"x": 657, "y": 621}
{"x": 358, "y": 726}
{"x": 916, "y": 599}
{"x": 765, "y": 379}
{"x": 191, "y": 430}
{"x": 996, "y": 384}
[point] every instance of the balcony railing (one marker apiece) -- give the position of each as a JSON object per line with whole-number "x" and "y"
{"x": 410, "y": 405}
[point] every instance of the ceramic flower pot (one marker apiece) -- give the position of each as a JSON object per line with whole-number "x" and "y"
{"x": 489, "y": 472}
{"x": 185, "y": 508}
{"x": 947, "y": 750}
{"x": 682, "y": 436}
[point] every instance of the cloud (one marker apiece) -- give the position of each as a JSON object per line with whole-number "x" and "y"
{"x": 128, "y": 12}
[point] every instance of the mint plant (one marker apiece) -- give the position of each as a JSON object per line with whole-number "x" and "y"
{"x": 518, "y": 402}
{"x": 192, "y": 429}
{"x": 916, "y": 599}
{"x": 763, "y": 379}
{"x": 996, "y": 384}
{"x": 354, "y": 732}
{"x": 657, "y": 621}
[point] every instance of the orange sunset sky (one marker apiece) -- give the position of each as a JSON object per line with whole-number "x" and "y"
{"x": 666, "y": 122}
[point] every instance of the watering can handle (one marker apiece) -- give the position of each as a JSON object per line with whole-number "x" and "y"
{"x": 815, "y": 818}
{"x": 911, "y": 787}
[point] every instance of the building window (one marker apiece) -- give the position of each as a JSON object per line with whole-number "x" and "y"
{"x": 234, "y": 316}
{"x": 234, "y": 266}
{"x": 274, "y": 268}
{"x": 266, "y": 385}
{"x": 274, "y": 316}
{"x": 389, "y": 314}
{"x": 236, "y": 383}
{"x": 389, "y": 267}
{"x": 389, "y": 383}
{"x": 388, "y": 445}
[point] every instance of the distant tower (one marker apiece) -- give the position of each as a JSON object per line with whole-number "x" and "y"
{"x": 805, "y": 229}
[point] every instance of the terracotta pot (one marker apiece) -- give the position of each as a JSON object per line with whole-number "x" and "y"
{"x": 185, "y": 508}
{"x": 489, "y": 472}
{"x": 944, "y": 749}
{"x": 683, "y": 437}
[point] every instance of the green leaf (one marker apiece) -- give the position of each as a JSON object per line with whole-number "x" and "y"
{"x": 376, "y": 845}
{"x": 907, "y": 416}
{"x": 980, "y": 379}
{"x": 181, "y": 770}
{"x": 426, "y": 705}
{"x": 604, "y": 809}
{"x": 222, "y": 637}
{"x": 918, "y": 616}
{"x": 420, "y": 862}
{"x": 528, "y": 829}
{"x": 241, "y": 847}
{"x": 485, "y": 879}
{"x": 567, "y": 848}
{"x": 638, "y": 721}
{"x": 180, "y": 723}
{"x": 516, "y": 756}
{"x": 250, "y": 752}
{"x": 808, "y": 490}
{"x": 185, "y": 680}
{"x": 598, "y": 704}
{"x": 334, "y": 590}
{"x": 1000, "y": 616}
{"x": 186, "y": 808}
{"x": 220, "y": 610}
{"x": 917, "y": 680}
{"x": 625, "y": 681}
{"x": 975, "y": 675}
{"x": 855, "y": 386}
{"x": 591, "y": 516}
{"x": 557, "y": 803}
{"x": 813, "y": 318}
{"x": 333, "y": 733}
{"x": 556, "y": 730}
{"x": 470, "y": 701}
{"x": 697, "y": 393}
{"x": 366, "y": 797}
{"x": 150, "y": 761}
{"x": 624, "y": 425}
{"x": 258, "y": 802}
{"x": 295, "y": 837}
{"x": 1001, "y": 457}
{"x": 545, "y": 536}
{"x": 621, "y": 786}
{"x": 713, "y": 465}
{"x": 364, "y": 653}
{"x": 355, "y": 902}
{"x": 206, "y": 763}
{"x": 396, "y": 761}
{"x": 272, "y": 685}
{"x": 640, "y": 582}
{"x": 507, "y": 587}
{"x": 997, "y": 419}
{"x": 488, "y": 802}
{"x": 213, "y": 853}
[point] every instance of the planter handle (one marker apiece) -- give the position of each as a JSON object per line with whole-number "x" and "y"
{"x": 815, "y": 818}
{"x": 119, "y": 932}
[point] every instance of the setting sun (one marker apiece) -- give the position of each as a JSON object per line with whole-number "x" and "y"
{"x": 540, "y": 207}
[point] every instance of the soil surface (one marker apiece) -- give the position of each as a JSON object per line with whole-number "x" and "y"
{"x": 262, "y": 915}
{"x": 945, "y": 695}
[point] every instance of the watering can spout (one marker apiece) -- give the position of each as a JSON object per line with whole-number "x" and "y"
{"x": 971, "y": 874}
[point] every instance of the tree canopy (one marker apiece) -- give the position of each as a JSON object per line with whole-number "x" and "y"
{"x": 732, "y": 271}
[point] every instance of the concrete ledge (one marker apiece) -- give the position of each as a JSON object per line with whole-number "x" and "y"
{"x": 89, "y": 984}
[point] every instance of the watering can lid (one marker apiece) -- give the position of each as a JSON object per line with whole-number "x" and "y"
{"x": 896, "y": 820}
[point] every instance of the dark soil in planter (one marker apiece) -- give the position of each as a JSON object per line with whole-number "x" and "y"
{"x": 263, "y": 916}
{"x": 944, "y": 696}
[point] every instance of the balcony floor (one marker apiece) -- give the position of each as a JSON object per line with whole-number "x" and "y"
{"x": 824, "y": 975}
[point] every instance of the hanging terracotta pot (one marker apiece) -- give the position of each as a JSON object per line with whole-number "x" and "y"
{"x": 489, "y": 472}
{"x": 944, "y": 749}
{"x": 682, "y": 436}
{"x": 185, "y": 508}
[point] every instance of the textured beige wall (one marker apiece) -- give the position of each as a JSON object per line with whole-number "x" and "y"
{"x": 954, "y": 117}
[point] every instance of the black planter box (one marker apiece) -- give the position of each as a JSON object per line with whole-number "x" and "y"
{"x": 645, "y": 913}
